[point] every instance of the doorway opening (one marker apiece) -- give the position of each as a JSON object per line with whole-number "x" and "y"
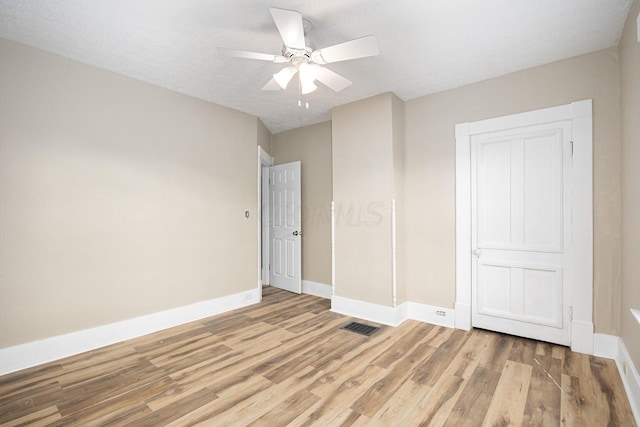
{"x": 265, "y": 161}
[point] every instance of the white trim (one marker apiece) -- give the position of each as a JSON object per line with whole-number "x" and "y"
{"x": 636, "y": 314}
{"x": 462, "y": 316}
{"x": 582, "y": 337}
{"x": 582, "y": 294}
{"x": 606, "y": 346}
{"x": 394, "y": 265}
{"x": 34, "y": 353}
{"x": 545, "y": 115}
{"x": 393, "y": 316}
{"x": 321, "y": 290}
{"x": 264, "y": 159}
{"x": 630, "y": 380}
{"x": 333, "y": 249}
{"x": 429, "y": 314}
{"x": 463, "y": 227}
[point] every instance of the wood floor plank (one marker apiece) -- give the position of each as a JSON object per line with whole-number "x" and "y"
{"x": 438, "y": 404}
{"x": 347, "y": 390}
{"x": 19, "y": 404}
{"x": 543, "y": 400}
{"x": 175, "y": 410}
{"x": 123, "y": 408}
{"x": 472, "y": 404}
{"x": 497, "y": 353}
{"x": 398, "y": 408}
{"x": 43, "y": 417}
{"x": 107, "y": 387}
{"x": 507, "y": 406}
{"x": 256, "y": 406}
{"x": 572, "y": 401}
{"x": 22, "y": 381}
{"x": 288, "y": 410}
{"x": 286, "y": 361}
{"x": 232, "y": 397}
{"x": 402, "y": 346}
{"x": 375, "y": 397}
{"x": 351, "y": 362}
{"x": 606, "y": 376}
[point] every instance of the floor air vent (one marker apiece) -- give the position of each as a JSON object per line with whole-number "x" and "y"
{"x": 361, "y": 328}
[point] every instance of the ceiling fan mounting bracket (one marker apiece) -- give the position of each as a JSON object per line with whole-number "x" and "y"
{"x": 291, "y": 53}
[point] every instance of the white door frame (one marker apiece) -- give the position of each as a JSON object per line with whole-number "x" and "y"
{"x": 264, "y": 160}
{"x": 580, "y": 113}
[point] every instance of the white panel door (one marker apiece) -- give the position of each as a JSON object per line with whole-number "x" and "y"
{"x": 521, "y": 231}
{"x": 285, "y": 233}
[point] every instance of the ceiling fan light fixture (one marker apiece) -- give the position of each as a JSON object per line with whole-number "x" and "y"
{"x": 307, "y": 87}
{"x": 308, "y": 74}
{"x": 284, "y": 76}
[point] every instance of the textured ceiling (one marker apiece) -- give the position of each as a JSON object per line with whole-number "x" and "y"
{"x": 426, "y": 46}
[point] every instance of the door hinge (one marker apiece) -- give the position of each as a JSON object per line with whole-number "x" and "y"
{"x": 571, "y": 313}
{"x": 572, "y": 148}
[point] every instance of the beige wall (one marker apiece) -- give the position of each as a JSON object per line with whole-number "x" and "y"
{"x": 312, "y": 146}
{"x": 630, "y": 79}
{"x": 264, "y": 137}
{"x": 117, "y": 198}
{"x": 430, "y": 171}
{"x": 363, "y": 188}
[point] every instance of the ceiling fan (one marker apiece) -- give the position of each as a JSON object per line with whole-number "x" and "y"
{"x": 304, "y": 60}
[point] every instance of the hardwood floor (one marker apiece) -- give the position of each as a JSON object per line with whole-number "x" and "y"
{"x": 286, "y": 361}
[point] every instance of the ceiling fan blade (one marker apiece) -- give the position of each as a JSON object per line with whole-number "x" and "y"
{"x": 290, "y": 26}
{"x": 357, "y": 48}
{"x": 332, "y": 79}
{"x": 271, "y": 85}
{"x": 251, "y": 55}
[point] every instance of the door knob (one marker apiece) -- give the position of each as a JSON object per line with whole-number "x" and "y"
{"x": 476, "y": 252}
{"x": 297, "y": 233}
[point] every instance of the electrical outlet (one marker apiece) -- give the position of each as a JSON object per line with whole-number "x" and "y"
{"x": 441, "y": 313}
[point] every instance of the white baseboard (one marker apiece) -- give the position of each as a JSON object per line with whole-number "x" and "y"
{"x": 431, "y": 314}
{"x": 582, "y": 337}
{"x": 393, "y": 316}
{"x": 606, "y": 346}
{"x": 630, "y": 378}
{"x": 317, "y": 289}
{"x": 34, "y": 353}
